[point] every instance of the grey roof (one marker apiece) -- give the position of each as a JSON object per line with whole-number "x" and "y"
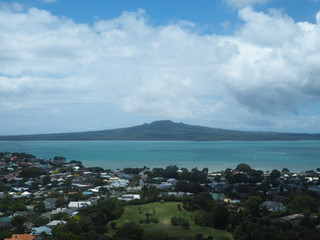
{"x": 38, "y": 230}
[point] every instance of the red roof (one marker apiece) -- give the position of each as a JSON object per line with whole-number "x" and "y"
{"x": 21, "y": 237}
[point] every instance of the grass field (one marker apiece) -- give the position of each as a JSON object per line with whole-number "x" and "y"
{"x": 163, "y": 212}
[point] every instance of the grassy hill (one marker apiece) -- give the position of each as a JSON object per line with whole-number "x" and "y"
{"x": 163, "y": 213}
{"x": 167, "y": 130}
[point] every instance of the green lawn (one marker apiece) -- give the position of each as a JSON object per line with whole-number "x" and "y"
{"x": 163, "y": 213}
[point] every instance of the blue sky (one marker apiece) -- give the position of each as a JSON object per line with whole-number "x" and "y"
{"x": 210, "y": 15}
{"x": 69, "y": 65}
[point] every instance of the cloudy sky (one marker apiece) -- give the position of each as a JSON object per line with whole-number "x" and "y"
{"x": 69, "y": 65}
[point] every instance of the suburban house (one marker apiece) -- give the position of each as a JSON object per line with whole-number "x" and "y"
{"x": 21, "y": 237}
{"x": 55, "y": 223}
{"x": 129, "y": 197}
{"x": 79, "y": 204}
{"x": 273, "y": 206}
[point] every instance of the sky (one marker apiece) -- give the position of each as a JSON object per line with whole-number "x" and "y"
{"x": 70, "y": 65}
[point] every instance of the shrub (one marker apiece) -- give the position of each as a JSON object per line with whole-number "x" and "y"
{"x": 179, "y": 221}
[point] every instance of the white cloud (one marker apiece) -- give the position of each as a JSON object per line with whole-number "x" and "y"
{"x": 238, "y": 4}
{"x": 269, "y": 67}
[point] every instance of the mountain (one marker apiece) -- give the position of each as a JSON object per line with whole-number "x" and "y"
{"x": 167, "y": 130}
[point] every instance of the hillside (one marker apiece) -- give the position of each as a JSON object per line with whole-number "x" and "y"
{"x": 169, "y": 131}
{"x": 163, "y": 213}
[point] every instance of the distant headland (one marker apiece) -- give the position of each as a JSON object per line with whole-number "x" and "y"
{"x": 167, "y": 130}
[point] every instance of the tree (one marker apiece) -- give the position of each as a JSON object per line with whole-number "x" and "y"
{"x": 5, "y": 234}
{"x": 171, "y": 172}
{"x": 275, "y": 174}
{"x": 40, "y": 207}
{"x": 31, "y": 172}
{"x": 113, "y": 225}
{"x": 204, "y": 201}
{"x": 205, "y": 170}
{"x": 59, "y": 158}
{"x": 304, "y": 203}
{"x": 255, "y": 175}
{"x": 61, "y": 202}
{"x": 221, "y": 218}
{"x": 130, "y": 231}
{"x": 238, "y": 178}
{"x": 18, "y": 221}
{"x": 4, "y": 204}
{"x": 104, "y": 211}
{"x": 17, "y": 206}
{"x": 157, "y": 172}
{"x": 243, "y": 167}
{"x": 252, "y": 205}
{"x": 40, "y": 221}
{"x": 66, "y": 236}
{"x": 46, "y": 180}
{"x": 60, "y": 216}
{"x": 150, "y": 193}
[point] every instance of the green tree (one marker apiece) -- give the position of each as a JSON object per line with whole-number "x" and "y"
{"x": 40, "y": 221}
{"x": 243, "y": 167}
{"x": 221, "y": 218}
{"x": 150, "y": 193}
{"x": 130, "y": 231}
{"x": 113, "y": 225}
{"x": 303, "y": 203}
{"x": 17, "y": 206}
{"x": 65, "y": 236}
{"x": 46, "y": 180}
{"x": 275, "y": 174}
{"x": 204, "y": 201}
{"x": 61, "y": 202}
{"x": 60, "y": 216}
{"x": 40, "y": 207}
{"x": 4, "y": 204}
{"x": 252, "y": 205}
{"x": 5, "y": 234}
{"x": 104, "y": 211}
{"x": 18, "y": 220}
{"x": 31, "y": 172}
{"x": 171, "y": 172}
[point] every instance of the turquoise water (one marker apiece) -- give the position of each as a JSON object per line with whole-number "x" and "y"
{"x": 265, "y": 155}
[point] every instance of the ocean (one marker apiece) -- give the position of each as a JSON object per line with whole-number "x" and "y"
{"x": 218, "y": 155}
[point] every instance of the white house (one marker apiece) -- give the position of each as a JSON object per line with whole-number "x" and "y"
{"x": 55, "y": 223}
{"x": 129, "y": 197}
{"x": 79, "y": 204}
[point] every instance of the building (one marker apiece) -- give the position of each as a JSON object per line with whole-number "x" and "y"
{"x": 273, "y": 206}
{"x": 55, "y": 223}
{"x": 80, "y": 204}
{"x": 129, "y": 197}
{"x": 37, "y": 231}
{"x": 21, "y": 237}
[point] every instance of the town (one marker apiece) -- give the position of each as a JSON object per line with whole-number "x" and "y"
{"x": 57, "y": 199}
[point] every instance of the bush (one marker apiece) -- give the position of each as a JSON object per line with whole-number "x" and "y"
{"x": 179, "y": 221}
{"x": 113, "y": 225}
{"x": 130, "y": 231}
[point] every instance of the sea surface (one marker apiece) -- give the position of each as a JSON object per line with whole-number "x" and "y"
{"x": 217, "y": 155}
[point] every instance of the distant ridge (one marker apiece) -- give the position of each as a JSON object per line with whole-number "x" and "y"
{"x": 167, "y": 130}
